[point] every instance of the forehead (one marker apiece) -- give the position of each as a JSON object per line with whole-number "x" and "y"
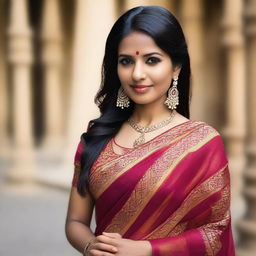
{"x": 137, "y": 41}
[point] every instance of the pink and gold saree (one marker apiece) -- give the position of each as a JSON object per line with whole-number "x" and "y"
{"x": 173, "y": 191}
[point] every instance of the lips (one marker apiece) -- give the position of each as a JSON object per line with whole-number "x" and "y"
{"x": 139, "y": 88}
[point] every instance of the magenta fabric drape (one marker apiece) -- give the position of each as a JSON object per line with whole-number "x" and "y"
{"x": 173, "y": 191}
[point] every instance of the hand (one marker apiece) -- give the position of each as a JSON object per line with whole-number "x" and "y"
{"x": 128, "y": 247}
{"x": 100, "y": 246}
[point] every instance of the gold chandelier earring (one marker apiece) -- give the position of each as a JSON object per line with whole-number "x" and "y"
{"x": 172, "y": 100}
{"x": 123, "y": 100}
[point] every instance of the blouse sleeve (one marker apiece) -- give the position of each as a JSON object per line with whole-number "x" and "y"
{"x": 77, "y": 164}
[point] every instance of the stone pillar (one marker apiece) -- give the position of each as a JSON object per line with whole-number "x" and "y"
{"x": 89, "y": 45}
{"x": 93, "y": 21}
{"x": 4, "y": 140}
{"x": 234, "y": 130}
{"x": 52, "y": 57}
{"x": 192, "y": 24}
{"x": 20, "y": 58}
{"x": 247, "y": 225}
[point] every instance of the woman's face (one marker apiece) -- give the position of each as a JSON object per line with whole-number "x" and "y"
{"x": 145, "y": 70}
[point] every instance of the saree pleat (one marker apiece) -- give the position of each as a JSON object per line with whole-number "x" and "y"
{"x": 173, "y": 191}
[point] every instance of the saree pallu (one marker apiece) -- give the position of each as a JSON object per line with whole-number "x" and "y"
{"x": 173, "y": 191}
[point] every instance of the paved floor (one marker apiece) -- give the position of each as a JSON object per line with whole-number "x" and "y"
{"x": 32, "y": 221}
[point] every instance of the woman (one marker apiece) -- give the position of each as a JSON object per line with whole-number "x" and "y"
{"x": 159, "y": 181}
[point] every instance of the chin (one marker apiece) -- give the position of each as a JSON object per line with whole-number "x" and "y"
{"x": 140, "y": 100}
{"x": 143, "y": 102}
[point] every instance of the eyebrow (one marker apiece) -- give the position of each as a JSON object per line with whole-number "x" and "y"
{"x": 145, "y": 55}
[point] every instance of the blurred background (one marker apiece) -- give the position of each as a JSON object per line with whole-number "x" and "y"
{"x": 50, "y": 59}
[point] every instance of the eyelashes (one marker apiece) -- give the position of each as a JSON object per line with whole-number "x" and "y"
{"x": 125, "y": 61}
{"x": 128, "y": 61}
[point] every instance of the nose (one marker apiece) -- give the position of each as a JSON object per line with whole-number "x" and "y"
{"x": 138, "y": 72}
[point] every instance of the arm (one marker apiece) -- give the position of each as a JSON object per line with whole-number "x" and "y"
{"x": 77, "y": 227}
{"x": 78, "y": 220}
{"x": 79, "y": 216}
{"x": 80, "y": 210}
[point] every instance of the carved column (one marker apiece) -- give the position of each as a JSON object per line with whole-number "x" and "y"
{"x": 4, "y": 140}
{"x": 93, "y": 21}
{"x": 234, "y": 130}
{"x": 247, "y": 226}
{"x": 20, "y": 58}
{"x": 192, "y": 22}
{"x": 88, "y": 54}
{"x": 52, "y": 57}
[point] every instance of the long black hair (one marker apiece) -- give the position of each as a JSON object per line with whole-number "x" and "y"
{"x": 165, "y": 30}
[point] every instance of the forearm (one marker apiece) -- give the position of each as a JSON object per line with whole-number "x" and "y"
{"x": 78, "y": 234}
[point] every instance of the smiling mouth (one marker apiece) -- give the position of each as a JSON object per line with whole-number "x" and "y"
{"x": 141, "y": 86}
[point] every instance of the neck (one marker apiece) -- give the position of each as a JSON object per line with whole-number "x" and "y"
{"x": 150, "y": 114}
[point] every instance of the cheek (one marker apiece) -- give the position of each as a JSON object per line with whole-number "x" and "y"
{"x": 123, "y": 74}
{"x": 162, "y": 76}
{"x": 119, "y": 72}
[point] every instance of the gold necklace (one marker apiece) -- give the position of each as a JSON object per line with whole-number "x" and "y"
{"x": 145, "y": 129}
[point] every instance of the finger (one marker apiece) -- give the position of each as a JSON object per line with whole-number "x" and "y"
{"x": 113, "y": 235}
{"x": 105, "y": 247}
{"x": 106, "y": 240}
{"x": 95, "y": 252}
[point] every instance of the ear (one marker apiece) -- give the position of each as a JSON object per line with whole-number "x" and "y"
{"x": 176, "y": 70}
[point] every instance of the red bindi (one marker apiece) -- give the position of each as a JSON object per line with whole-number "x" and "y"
{"x": 137, "y": 52}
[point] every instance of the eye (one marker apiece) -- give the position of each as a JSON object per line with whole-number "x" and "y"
{"x": 153, "y": 60}
{"x": 125, "y": 61}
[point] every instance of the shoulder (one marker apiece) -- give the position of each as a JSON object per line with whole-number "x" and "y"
{"x": 196, "y": 128}
{"x": 79, "y": 151}
{"x": 203, "y": 135}
{"x": 203, "y": 128}
{"x": 195, "y": 125}
{"x": 208, "y": 136}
